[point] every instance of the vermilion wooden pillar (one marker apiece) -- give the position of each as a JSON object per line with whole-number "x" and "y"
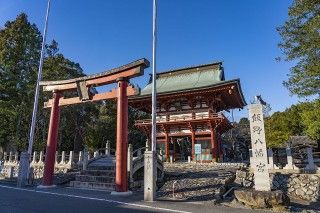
{"x": 220, "y": 148}
{"x": 47, "y": 179}
{"x": 122, "y": 137}
{"x": 167, "y": 146}
{"x": 214, "y": 145}
{"x": 217, "y": 148}
{"x": 193, "y": 138}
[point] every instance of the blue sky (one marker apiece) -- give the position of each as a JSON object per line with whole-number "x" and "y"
{"x": 104, "y": 34}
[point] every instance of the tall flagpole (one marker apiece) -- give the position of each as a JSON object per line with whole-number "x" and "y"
{"x": 24, "y": 164}
{"x": 154, "y": 77}
{"x": 36, "y": 96}
{"x": 150, "y": 157}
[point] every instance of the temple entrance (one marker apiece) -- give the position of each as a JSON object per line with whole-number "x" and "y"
{"x": 206, "y": 150}
{"x": 190, "y": 102}
{"x": 180, "y": 148}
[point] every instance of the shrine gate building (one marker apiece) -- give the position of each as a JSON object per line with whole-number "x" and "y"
{"x": 190, "y": 102}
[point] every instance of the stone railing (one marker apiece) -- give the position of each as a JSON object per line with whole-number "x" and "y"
{"x": 136, "y": 163}
{"x": 63, "y": 163}
{"x": 309, "y": 165}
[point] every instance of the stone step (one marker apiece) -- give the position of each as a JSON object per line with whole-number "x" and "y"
{"x": 111, "y": 160}
{"x": 98, "y": 179}
{"x": 107, "y": 173}
{"x": 93, "y": 185}
{"x": 102, "y": 163}
{"x": 100, "y": 167}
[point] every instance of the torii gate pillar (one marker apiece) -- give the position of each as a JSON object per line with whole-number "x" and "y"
{"x": 122, "y": 137}
{"x": 82, "y": 85}
{"x": 47, "y": 180}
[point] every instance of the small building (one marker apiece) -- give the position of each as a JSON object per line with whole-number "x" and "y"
{"x": 190, "y": 102}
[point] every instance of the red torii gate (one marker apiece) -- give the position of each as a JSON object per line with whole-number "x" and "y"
{"x": 82, "y": 85}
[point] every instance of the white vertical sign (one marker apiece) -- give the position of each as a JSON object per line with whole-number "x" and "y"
{"x": 259, "y": 159}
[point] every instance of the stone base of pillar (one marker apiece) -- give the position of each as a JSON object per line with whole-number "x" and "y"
{"x": 289, "y": 167}
{"x": 46, "y": 187}
{"x": 24, "y": 165}
{"x": 115, "y": 193}
{"x": 150, "y": 175}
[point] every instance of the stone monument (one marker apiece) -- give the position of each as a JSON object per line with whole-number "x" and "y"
{"x": 150, "y": 175}
{"x": 23, "y": 169}
{"x": 259, "y": 162}
{"x": 261, "y": 196}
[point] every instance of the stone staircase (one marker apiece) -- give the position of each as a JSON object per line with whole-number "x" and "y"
{"x": 100, "y": 174}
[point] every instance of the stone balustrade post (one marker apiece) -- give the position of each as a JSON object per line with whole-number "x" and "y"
{"x": 5, "y": 156}
{"x": 85, "y": 160}
{"x": 56, "y": 157}
{"x": 107, "y": 151}
{"x": 270, "y": 158}
{"x": 16, "y": 156}
{"x": 129, "y": 164}
{"x": 311, "y": 165}
{"x": 80, "y": 159}
{"x": 10, "y": 157}
{"x": 34, "y": 157}
{"x": 96, "y": 154}
{"x": 290, "y": 164}
{"x": 40, "y": 157}
{"x": 71, "y": 158}
{"x": 63, "y": 157}
{"x": 9, "y": 172}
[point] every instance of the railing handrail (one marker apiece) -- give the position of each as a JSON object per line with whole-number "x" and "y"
{"x": 140, "y": 149}
{"x": 143, "y": 149}
{"x": 186, "y": 117}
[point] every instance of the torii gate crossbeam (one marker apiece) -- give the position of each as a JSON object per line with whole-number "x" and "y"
{"x": 83, "y": 85}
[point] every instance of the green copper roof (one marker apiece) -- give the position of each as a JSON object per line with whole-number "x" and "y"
{"x": 187, "y": 78}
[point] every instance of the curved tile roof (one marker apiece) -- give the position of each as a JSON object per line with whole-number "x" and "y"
{"x": 187, "y": 78}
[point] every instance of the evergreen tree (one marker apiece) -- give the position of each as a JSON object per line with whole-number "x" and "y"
{"x": 301, "y": 44}
{"x": 300, "y": 119}
{"x": 20, "y": 43}
{"x": 90, "y": 124}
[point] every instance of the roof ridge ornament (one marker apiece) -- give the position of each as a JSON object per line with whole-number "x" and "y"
{"x": 258, "y": 100}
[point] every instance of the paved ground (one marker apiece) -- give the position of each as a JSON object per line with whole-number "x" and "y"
{"x": 62, "y": 200}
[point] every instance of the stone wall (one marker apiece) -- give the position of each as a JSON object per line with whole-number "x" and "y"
{"x": 301, "y": 186}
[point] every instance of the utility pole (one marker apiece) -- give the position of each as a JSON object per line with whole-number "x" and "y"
{"x": 25, "y": 156}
